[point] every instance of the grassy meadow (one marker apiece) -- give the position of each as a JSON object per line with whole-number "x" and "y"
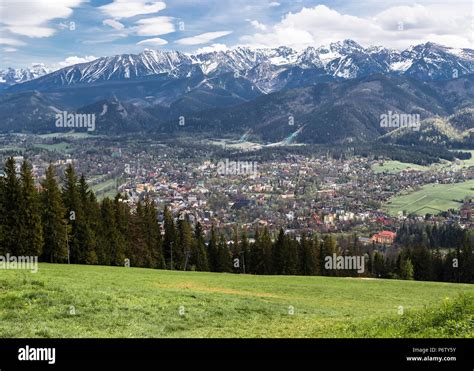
{"x": 98, "y": 301}
{"x": 392, "y": 167}
{"x": 431, "y": 198}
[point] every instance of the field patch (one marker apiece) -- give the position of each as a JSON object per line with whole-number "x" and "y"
{"x": 431, "y": 198}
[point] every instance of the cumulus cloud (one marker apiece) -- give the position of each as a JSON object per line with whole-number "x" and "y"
{"x": 129, "y": 8}
{"x": 154, "y": 26}
{"x": 69, "y": 61}
{"x": 156, "y": 41}
{"x": 257, "y": 25}
{"x": 397, "y": 27}
{"x": 203, "y": 38}
{"x": 116, "y": 25}
{"x": 31, "y": 18}
{"x": 212, "y": 48}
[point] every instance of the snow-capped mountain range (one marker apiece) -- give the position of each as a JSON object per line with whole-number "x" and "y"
{"x": 12, "y": 76}
{"x": 268, "y": 69}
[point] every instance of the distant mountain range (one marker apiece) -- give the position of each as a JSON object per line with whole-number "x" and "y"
{"x": 334, "y": 93}
{"x": 12, "y": 76}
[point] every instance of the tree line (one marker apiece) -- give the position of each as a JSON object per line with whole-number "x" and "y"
{"x": 63, "y": 222}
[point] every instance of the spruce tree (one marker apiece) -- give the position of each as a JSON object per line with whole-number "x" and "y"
{"x": 200, "y": 260}
{"x": 292, "y": 264}
{"x": 224, "y": 256}
{"x": 30, "y": 239}
{"x": 406, "y": 269}
{"x": 74, "y": 214}
{"x": 169, "y": 240}
{"x": 139, "y": 251}
{"x": 10, "y": 218}
{"x": 308, "y": 257}
{"x": 245, "y": 252}
{"x": 212, "y": 251}
{"x": 54, "y": 224}
{"x": 266, "y": 246}
{"x": 185, "y": 244}
{"x": 257, "y": 256}
{"x": 280, "y": 254}
{"x": 86, "y": 237}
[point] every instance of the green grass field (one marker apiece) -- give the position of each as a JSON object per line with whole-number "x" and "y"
{"x": 431, "y": 198}
{"x": 396, "y": 167}
{"x": 105, "y": 189}
{"x": 95, "y": 301}
{"x": 61, "y": 147}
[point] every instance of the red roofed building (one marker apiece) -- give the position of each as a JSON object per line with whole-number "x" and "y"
{"x": 384, "y": 237}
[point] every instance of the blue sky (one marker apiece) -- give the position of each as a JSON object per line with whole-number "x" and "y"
{"x": 63, "y": 32}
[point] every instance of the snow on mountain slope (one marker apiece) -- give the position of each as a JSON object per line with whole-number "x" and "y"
{"x": 263, "y": 67}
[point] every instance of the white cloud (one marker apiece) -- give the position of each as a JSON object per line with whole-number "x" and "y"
{"x": 9, "y": 50}
{"x": 116, "y": 25}
{"x": 32, "y": 31}
{"x": 129, "y": 8}
{"x": 212, "y": 48}
{"x": 11, "y": 42}
{"x": 448, "y": 24}
{"x": 153, "y": 42}
{"x": 274, "y": 4}
{"x": 257, "y": 25}
{"x": 31, "y": 18}
{"x": 69, "y": 61}
{"x": 203, "y": 38}
{"x": 154, "y": 26}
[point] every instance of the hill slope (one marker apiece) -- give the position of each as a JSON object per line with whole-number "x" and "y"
{"x": 96, "y": 301}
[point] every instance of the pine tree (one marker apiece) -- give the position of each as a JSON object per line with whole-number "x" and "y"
{"x": 86, "y": 238}
{"x": 379, "y": 268}
{"x": 328, "y": 248}
{"x": 308, "y": 257}
{"x": 257, "y": 256}
{"x": 169, "y": 240}
{"x": 292, "y": 264}
{"x": 406, "y": 268}
{"x": 111, "y": 251}
{"x": 139, "y": 251}
{"x": 280, "y": 254}
{"x": 74, "y": 214}
{"x": 10, "y": 218}
{"x": 199, "y": 256}
{"x": 185, "y": 243}
{"x": 54, "y": 225}
{"x": 317, "y": 252}
{"x": 30, "y": 239}
{"x": 421, "y": 259}
{"x": 212, "y": 251}
{"x": 245, "y": 252}
{"x": 123, "y": 222}
{"x": 224, "y": 256}
{"x": 266, "y": 246}
{"x": 152, "y": 235}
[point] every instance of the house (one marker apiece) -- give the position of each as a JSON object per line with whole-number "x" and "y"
{"x": 384, "y": 237}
